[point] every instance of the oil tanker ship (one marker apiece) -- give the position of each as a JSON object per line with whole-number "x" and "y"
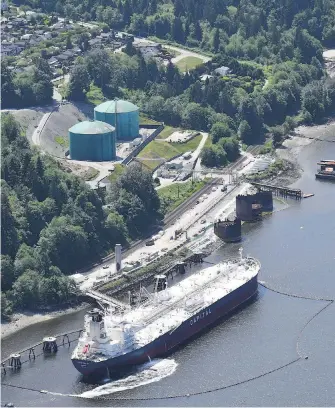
{"x": 167, "y": 318}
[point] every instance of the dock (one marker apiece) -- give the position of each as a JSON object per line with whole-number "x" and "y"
{"x": 280, "y": 191}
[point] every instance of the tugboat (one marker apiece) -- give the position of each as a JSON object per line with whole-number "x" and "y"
{"x": 326, "y": 170}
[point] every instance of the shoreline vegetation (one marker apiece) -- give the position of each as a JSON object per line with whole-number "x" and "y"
{"x": 290, "y": 152}
{"x": 267, "y": 75}
{"x": 22, "y": 320}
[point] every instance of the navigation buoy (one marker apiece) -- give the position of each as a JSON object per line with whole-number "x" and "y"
{"x": 50, "y": 345}
{"x": 15, "y": 361}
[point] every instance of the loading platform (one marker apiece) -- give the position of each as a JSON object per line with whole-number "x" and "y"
{"x": 102, "y": 298}
{"x": 281, "y": 191}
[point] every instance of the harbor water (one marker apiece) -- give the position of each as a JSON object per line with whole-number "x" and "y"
{"x": 277, "y": 351}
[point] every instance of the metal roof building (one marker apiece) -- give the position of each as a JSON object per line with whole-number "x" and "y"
{"x": 92, "y": 141}
{"x": 123, "y": 115}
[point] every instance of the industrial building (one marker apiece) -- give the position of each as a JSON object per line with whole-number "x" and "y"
{"x": 123, "y": 115}
{"x": 92, "y": 141}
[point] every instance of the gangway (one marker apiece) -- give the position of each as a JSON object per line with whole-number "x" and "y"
{"x": 105, "y": 299}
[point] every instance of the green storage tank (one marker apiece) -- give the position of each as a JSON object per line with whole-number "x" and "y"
{"x": 123, "y": 115}
{"x": 92, "y": 141}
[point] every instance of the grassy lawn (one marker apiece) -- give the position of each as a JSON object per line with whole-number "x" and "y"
{"x": 174, "y": 53}
{"x": 163, "y": 150}
{"x": 209, "y": 141}
{"x": 144, "y": 120}
{"x": 188, "y": 63}
{"x": 173, "y": 195}
{"x": 188, "y": 146}
{"x": 91, "y": 174}
{"x": 95, "y": 95}
{"x": 119, "y": 169}
{"x": 62, "y": 141}
{"x": 166, "y": 132}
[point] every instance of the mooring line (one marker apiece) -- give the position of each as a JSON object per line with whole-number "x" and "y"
{"x": 294, "y": 295}
{"x": 307, "y": 323}
{"x": 160, "y": 397}
{"x": 220, "y": 388}
{"x": 224, "y": 387}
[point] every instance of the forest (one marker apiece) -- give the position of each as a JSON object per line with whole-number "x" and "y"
{"x": 30, "y": 88}
{"x": 52, "y": 224}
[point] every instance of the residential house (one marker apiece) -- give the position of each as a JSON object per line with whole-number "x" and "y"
{"x": 19, "y": 22}
{"x": 21, "y": 44}
{"x": 26, "y": 37}
{"x": 204, "y": 77}
{"x": 54, "y": 63}
{"x": 63, "y": 59}
{"x": 95, "y": 42}
{"x": 12, "y": 49}
{"x": 222, "y": 71}
{"x": 60, "y": 27}
{"x": 77, "y": 50}
{"x": 31, "y": 13}
{"x": 149, "y": 50}
{"x": 106, "y": 37}
{"x": 47, "y": 35}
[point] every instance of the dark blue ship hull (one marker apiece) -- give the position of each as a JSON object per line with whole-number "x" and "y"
{"x": 166, "y": 343}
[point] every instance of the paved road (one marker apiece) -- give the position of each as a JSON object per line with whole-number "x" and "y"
{"x": 37, "y": 132}
{"x": 185, "y": 53}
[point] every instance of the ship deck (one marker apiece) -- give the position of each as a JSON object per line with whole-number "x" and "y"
{"x": 168, "y": 309}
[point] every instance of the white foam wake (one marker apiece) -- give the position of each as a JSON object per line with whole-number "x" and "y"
{"x": 148, "y": 373}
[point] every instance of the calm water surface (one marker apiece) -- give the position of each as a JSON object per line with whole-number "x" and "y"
{"x": 296, "y": 247}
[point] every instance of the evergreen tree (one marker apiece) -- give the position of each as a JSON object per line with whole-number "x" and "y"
{"x": 216, "y": 40}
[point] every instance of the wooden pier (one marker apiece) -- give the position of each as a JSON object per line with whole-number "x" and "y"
{"x": 280, "y": 191}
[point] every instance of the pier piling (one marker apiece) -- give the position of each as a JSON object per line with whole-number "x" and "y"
{"x": 31, "y": 353}
{"x": 15, "y": 361}
{"x": 50, "y": 345}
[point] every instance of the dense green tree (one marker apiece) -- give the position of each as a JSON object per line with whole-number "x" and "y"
{"x": 116, "y": 228}
{"x": 231, "y": 146}
{"x": 213, "y": 156}
{"x": 195, "y": 116}
{"x": 245, "y": 132}
{"x": 8, "y": 96}
{"x": 69, "y": 44}
{"x": 216, "y": 40}
{"x": 177, "y": 30}
{"x": 79, "y": 82}
{"x": 7, "y": 272}
{"x": 315, "y": 99}
{"x": 219, "y": 131}
{"x": 99, "y": 66}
